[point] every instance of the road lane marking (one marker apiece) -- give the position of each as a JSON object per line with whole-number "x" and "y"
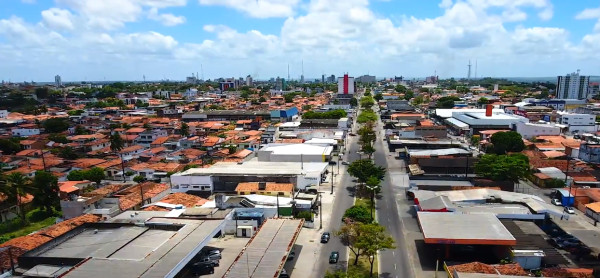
{"x": 393, "y": 253}
{"x": 394, "y": 266}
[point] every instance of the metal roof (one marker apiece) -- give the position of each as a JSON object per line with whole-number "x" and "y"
{"x": 458, "y": 228}
{"x": 267, "y": 251}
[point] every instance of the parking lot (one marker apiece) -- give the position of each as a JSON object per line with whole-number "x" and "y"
{"x": 230, "y": 248}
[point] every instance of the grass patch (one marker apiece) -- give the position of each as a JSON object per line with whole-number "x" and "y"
{"x": 37, "y": 221}
{"x": 365, "y": 202}
{"x": 363, "y": 268}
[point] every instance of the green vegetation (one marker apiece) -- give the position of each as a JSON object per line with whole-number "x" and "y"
{"x": 353, "y": 102}
{"x": 45, "y": 191}
{"x": 554, "y": 183}
{"x": 366, "y": 116}
{"x": 447, "y": 102}
{"x": 333, "y": 114}
{"x": 56, "y": 125}
{"x": 378, "y": 96}
{"x": 58, "y": 138}
{"x": 139, "y": 179}
{"x": 510, "y": 167}
{"x": 184, "y": 130}
{"x": 505, "y": 142}
{"x": 16, "y": 228}
{"x": 306, "y": 215}
{"x": 365, "y": 240}
{"x": 409, "y": 95}
{"x": 116, "y": 142}
{"x": 358, "y": 213}
{"x": 362, "y": 169}
{"x": 10, "y": 146}
{"x": 367, "y": 102}
{"x": 95, "y": 174}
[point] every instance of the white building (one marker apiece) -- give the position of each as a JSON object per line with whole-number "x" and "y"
{"x": 578, "y": 122}
{"x": 3, "y": 114}
{"x": 529, "y": 130}
{"x": 249, "y": 81}
{"x": 295, "y": 152}
{"x": 25, "y": 132}
{"x": 572, "y": 86}
{"x": 224, "y": 176}
{"x": 346, "y": 85}
{"x": 478, "y": 121}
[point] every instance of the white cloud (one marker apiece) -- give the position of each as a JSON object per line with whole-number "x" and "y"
{"x": 166, "y": 19}
{"x": 257, "y": 8}
{"x": 28, "y": 1}
{"x": 591, "y": 13}
{"x": 58, "y": 19}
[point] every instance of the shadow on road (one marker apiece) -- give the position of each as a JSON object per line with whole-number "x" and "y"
{"x": 426, "y": 255}
{"x": 351, "y": 190}
{"x": 290, "y": 265}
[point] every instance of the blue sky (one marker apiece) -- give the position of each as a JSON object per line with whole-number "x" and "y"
{"x": 125, "y": 39}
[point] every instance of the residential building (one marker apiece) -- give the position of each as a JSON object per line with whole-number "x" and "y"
{"x": 57, "y": 81}
{"x": 589, "y": 153}
{"x": 25, "y": 130}
{"x": 3, "y": 114}
{"x": 346, "y": 85}
{"x": 226, "y": 115}
{"x": 572, "y": 86}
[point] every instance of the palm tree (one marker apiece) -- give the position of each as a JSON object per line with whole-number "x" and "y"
{"x": 116, "y": 142}
{"x": 16, "y": 186}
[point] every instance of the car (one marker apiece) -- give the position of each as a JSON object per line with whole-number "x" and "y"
{"x": 333, "y": 258}
{"x": 283, "y": 274}
{"x": 207, "y": 260}
{"x": 291, "y": 256}
{"x": 332, "y": 162}
{"x": 325, "y": 237}
{"x": 556, "y": 202}
{"x": 352, "y": 134}
{"x": 202, "y": 269}
{"x": 345, "y": 163}
{"x": 569, "y": 210}
{"x": 213, "y": 254}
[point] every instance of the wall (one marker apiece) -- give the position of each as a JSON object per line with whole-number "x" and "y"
{"x": 528, "y": 131}
{"x": 180, "y": 182}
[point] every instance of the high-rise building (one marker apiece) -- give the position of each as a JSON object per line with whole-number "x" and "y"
{"x": 366, "y": 79}
{"x": 249, "y": 81}
{"x": 57, "y": 81}
{"x": 572, "y": 86}
{"x": 346, "y": 85}
{"x": 323, "y": 78}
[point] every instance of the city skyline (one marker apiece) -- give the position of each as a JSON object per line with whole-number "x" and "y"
{"x": 91, "y": 40}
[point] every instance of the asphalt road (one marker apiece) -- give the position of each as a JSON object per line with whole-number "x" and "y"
{"x": 344, "y": 198}
{"x": 394, "y": 262}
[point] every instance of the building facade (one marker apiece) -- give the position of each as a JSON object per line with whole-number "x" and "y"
{"x": 346, "y": 85}
{"x": 572, "y": 86}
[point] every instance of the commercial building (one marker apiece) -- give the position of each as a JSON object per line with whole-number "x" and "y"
{"x": 572, "y": 86}
{"x": 225, "y": 176}
{"x": 366, "y": 79}
{"x": 578, "y": 123}
{"x": 57, "y": 81}
{"x": 478, "y": 121}
{"x": 226, "y": 115}
{"x": 399, "y": 105}
{"x": 295, "y": 153}
{"x": 134, "y": 244}
{"x": 249, "y": 81}
{"x": 530, "y": 130}
{"x": 346, "y": 85}
{"x": 464, "y": 229}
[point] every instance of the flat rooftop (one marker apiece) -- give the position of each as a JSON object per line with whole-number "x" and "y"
{"x": 440, "y": 183}
{"x": 469, "y": 229}
{"x": 158, "y": 247}
{"x": 256, "y": 167}
{"x": 267, "y": 251}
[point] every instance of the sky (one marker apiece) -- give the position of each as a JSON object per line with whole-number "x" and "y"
{"x": 96, "y": 40}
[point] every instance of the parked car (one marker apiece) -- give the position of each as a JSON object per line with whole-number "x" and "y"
{"x": 325, "y": 237}
{"x": 291, "y": 256}
{"x": 556, "y": 202}
{"x": 352, "y": 134}
{"x": 202, "y": 269}
{"x": 207, "y": 260}
{"x": 333, "y": 258}
{"x": 345, "y": 163}
{"x": 332, "y": 162}
{"x": 569, "y": 210}
{"x": 214, "y": 254}
{"x": 283, "y": 274}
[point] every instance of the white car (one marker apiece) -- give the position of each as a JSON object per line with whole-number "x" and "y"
{"x": 570, "y": 210}
{"x": 556, "y": 202}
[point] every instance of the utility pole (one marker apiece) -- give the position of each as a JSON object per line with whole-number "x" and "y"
{"x": 332, "y": 179}
{"x": 277, "y": 205}
{"x": 320, "y": 210}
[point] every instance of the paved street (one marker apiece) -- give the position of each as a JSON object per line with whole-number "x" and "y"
{"x": 395, "y": 262}
{"x": 344, "y": 198}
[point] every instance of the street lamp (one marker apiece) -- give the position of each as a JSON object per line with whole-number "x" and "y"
{"x": 331, "y": 179}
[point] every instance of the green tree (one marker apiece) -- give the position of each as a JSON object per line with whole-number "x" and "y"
{"x": 509, "y": 141}
{"x": 262, "y": 99}
{"x": 483, "y": 100}
{"x": 184, "y": 130}
{"x": 45, "y": 193}
{"x": 10, "y": 146}
{"x": 76, "y": 175}
{"x": 95, "y": 174}
{"x": 116, "y": 142}
{"x": 510, "y": 167}
{"x": 245, "y": 95}
{"x": 378, "y": 96}
{"x": 16, "y": 186}
{"x": 408, "y": 95}
{"x": 139, "y": 179}
{"x": 446, "y": 102}
{"x": 42, "y": 92}
{"x": 475, "y": 139}
{"x": 367, "y": 102}
{"x": 289, "y": 97}
{"x": 80, "y": 130}
{"x": 358, "y": 213}
{"x": 400, "y": 89}
{"x": 56, "y": 125}
{"x": 306, "y": 215}
{"x": 68, "y": 153}
{"x": 373, "y": 238}
{"x": 554, "y": 183}
{"x": 362, "y": 169}
{"x": 232, "y": 149}
{"x": 353, "y": 102}
{"x": 366, "y": 116}
{"x": 58, "y": 138}
{"x": 349, "y": 234}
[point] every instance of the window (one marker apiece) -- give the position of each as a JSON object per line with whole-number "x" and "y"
{"x": 185, "y": 185}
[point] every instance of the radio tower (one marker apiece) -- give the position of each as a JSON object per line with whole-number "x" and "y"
{"x": 469, "y": 72}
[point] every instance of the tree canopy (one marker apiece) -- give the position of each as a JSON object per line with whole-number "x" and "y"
{"x": 362, "y": 169}
{"x": 366, "y": 116}
{"x": 510, "y": 167}
{"x": 358, "y": 213}
{"x": 447, "y": 102}
{"x": 45, "y": 193}
{"x": 508, "y": 141}
{"x": 56, "y": 125}
{"x": 333, "y": 114}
